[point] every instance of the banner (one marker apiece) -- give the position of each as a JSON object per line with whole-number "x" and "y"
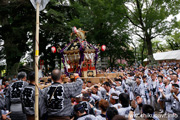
{"x": 42, "y": 3}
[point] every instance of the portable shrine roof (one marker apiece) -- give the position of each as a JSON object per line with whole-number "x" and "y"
{"x": 75, "y": 46}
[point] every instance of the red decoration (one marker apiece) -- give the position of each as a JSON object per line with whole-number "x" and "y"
{"x": 84, "y": 44}
{"x": 103, "y": 48}
{"x": 41, "y": 62}
{"x": 84, "y": 67}
{"x": 91, "y": 65}
{"x": 53, "y": 49}
{"x": 68, "y": 62}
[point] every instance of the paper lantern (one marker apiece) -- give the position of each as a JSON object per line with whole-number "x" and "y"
{"x": 74, "y": 29}
{"x": 103, "y": 48}
{"x": 53, "y": 49}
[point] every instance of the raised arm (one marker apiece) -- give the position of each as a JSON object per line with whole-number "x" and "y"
{"x": 163, "y": 95}
{"x": 75, "y": 88}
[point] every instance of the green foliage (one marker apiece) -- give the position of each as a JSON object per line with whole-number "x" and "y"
{"x": 158, "y": 46}
{"x": 122, "y": 65}
{"x": 141, "y": 52}
{"x": 173, "y": 41}
{"x": 149, "y": 18}
{"x": 54, "y": 30}
{"x": 106, "y": 23}
{"x": 16, "y": 20}
{"x": 104, "y": 19}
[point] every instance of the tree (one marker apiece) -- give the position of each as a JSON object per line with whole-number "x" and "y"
{"x": 104, "y": 20}
{"x": 17, "y": 19}
{"x": 149, "y": 19}
{"x": 54, "y": 30}
{"x": 18, "y": 31}
{"x": 106, "y": 23}
{"x": 174, "y": 41}
{"x": 158, "y": 46}
{"x": 142, "y": 51}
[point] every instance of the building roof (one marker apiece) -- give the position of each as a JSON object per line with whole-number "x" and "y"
{"x": 170, "y": 55}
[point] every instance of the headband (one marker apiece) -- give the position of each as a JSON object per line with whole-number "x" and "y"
{"x": 115, "y": 97}
{"x": 175, "y": 87}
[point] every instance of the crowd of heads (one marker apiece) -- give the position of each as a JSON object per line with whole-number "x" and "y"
{"x": 135, "y": 91}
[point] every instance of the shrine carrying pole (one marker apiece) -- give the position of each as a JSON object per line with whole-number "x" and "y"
{"x": 38, "y": 5}
{"x": 37, "y": 64}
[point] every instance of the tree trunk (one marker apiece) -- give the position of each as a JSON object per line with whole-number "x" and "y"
{"x": 12, "y": 70}
{"x": 142, "y": 52}
{"x": 12, "y": 67}
{"x": 12, "y": 59}
{"x": 135, "y": 55}
{"x": 113, "y": 63}
{"x": 150, "y": 52}
{"x": 135, "y": 59}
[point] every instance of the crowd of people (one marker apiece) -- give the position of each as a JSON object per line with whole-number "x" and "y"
{"x": 138, "y": 92}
